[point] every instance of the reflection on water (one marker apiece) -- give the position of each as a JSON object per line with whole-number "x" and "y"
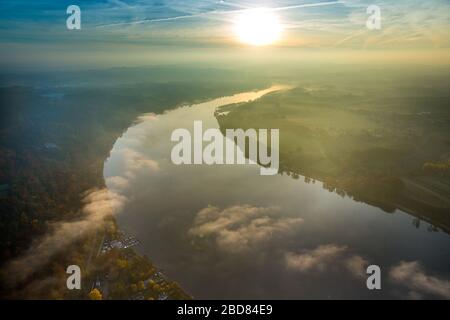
{"x": 228, "y": 232}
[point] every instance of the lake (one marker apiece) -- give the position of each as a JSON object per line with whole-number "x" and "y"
{"x": 227, "y": 232}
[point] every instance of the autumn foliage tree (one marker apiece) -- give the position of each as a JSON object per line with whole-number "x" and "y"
{"x": 95, "y": 294}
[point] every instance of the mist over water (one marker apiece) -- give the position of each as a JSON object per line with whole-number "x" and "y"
{"x": 228, "y": 232}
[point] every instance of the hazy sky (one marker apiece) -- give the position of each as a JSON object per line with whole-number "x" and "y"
{"x": 34, "y": 31}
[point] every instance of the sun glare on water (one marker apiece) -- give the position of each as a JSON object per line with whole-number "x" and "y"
{"x": 258, "y": 27}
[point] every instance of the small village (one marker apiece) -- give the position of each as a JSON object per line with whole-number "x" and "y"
{"x": 127, "y": 275}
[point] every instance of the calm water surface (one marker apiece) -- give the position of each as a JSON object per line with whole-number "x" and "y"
{"x": 228, "y": 232}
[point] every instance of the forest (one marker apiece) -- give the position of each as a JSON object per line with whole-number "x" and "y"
{"x": 56, "y": 131}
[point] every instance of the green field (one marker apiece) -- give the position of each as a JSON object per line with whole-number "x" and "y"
{"x": 384, "y": 142}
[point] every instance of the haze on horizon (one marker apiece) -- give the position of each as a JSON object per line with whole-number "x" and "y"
{"x": 136, "y": 32}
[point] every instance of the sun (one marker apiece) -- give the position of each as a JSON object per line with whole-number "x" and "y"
{"x": 258, "y": 27}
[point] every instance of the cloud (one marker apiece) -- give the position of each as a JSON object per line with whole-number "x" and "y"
{"x": 411, "y": 22}
{"x": 98, "y": 204}
{"x": 238, "y": 228}
{"x": 317, "y": 259}
{"x": 199, "y": 12}
{"x": 147, "y": 117}
{"x": 357, "y": 266}
{"x": 117, "y": 183}
{"x": 134, "y": 161}
{"x": 412, "y": 276}
{"x": 325, "y": 257}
